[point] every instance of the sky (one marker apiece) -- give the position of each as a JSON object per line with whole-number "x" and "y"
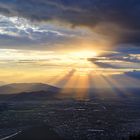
{"x": 70, "y": 43}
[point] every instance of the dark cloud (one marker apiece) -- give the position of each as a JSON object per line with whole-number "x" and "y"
{"x": 119, "y": 19}
{"x": 128, "y": 49}
{"x": 106, "y": 65}
{"x": 129, "y": 58}
{"x": 124, "y": 58}
{"x": 117, "y": 57}
{"x": 134, "y": 74}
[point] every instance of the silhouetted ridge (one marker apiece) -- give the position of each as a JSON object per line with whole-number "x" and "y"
{"x": 35, "y": 95}
{"x": 26, "y": 87}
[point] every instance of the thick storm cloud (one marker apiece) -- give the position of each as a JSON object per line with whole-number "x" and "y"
{"x": 118, "y": 19}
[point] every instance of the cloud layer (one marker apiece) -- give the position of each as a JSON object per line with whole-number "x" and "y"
{"x": 119, "y": 19}
{"x": 123, "y": 59}
{"x": 16, "y": 32}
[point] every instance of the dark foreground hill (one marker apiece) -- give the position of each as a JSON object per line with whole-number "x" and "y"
{"x": 26, "y": 87}
{"x": 28, "y": 92}
{"x": 31, "y": 96}
{"x": 37, "y": 133}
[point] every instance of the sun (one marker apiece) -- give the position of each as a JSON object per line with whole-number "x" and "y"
{"x": 84, "y": 54}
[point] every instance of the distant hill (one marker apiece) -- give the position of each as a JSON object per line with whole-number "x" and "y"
{"x": 26, "y": 87}
{"x": 37, "y": 133}
{"x": 32, "y": 96}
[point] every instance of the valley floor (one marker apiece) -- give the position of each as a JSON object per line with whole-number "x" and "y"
{"x": 98, "y": 119}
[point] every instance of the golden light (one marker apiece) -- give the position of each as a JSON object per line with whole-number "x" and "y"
{"x": 84, "y": 54}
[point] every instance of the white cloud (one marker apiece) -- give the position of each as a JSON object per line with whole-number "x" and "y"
{"x": 17, "y": 31}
